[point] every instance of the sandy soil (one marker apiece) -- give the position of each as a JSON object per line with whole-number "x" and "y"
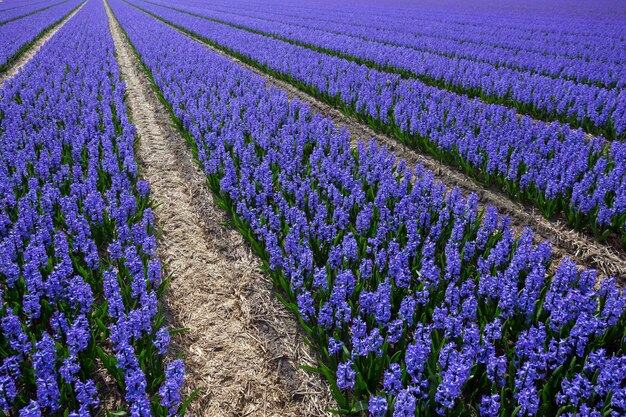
{"x": 243, "y": 347}
{"x": 27, "y": 55}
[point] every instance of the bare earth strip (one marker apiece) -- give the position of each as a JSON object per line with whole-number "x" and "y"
{"x": 579, "y": 247}
{"x": 15, "y": 67}
{"x": 243, "y": 347}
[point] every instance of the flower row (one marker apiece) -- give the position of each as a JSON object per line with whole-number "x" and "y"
{"x": 558, "y": 169}
{"x": 24, "y": 10}
{"x": 79, "y": 274}
{"x": 560, "y": 33}
{"x": 418, "y": 302}
{"x": 19, "y": 35}
{"x": 323, "y": 31}
{"x": 596, "y": 109}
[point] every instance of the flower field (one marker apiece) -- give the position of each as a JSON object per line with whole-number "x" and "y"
{"x": 415, "y": 297}
{"x": 17, "y": 33}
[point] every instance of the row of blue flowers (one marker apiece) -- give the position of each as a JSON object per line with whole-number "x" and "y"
{"x": 418, "y": 302}
{"x": 558, "y": 169}
{"x": 597, "y": 109}
{"x": 562, "y": 34}
{"x": 578, "y": 54}
{"x": 18, "y": 35}
{"x": 79, "y": 275}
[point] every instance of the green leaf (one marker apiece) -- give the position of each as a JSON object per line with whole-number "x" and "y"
{"x": 185, "y": 403}
{"x": 338, "y": 411}
{"x": 181, "y": 330}
{"x": 359, "y": 406}
{"x": 312, "y": 369}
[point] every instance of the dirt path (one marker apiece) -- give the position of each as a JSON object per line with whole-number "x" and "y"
{"x": 26, "y": 56}
{"x": 579, "y": 247}
{"x": 243, "y": 347}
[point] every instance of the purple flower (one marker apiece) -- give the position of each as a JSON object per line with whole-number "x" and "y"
{"x": 417, "y": 353}
{"x": 392, "y": 381}
{"x": 490, "y": 405}
{"x": 135, "y": 380}
{"x": 320, "y": 279}
{"x": 70, "y": 368}
{"x": 496, "y": 368}
{"x": 305, "y": 305}
{"x": 334, "y": 346}
{"x": 143, "y": 188}
{"x": 11, "y": 326}
{"x": 574, "y": 391}
{"x": 406, "y": 403}
{"x": 78, "y": 335}
{"x": 170, "y": 390}
{"x": 31, "y": 410}
{"x": 455, "y": 372}
{"x": 162, "y": 340}
{"x": 377, "y": 406}
{"x": 395, "y": 330}
{"x": 527, "y": 395}
{"x": 345, "y": 376}
{"x": 8, "y": 392}
{"x": 154, "y": 271}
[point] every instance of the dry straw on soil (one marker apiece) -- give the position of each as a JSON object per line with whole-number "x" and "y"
{"x": 243, "y": 348}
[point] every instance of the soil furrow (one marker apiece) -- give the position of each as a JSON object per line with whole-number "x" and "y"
{"x": 578, "y": 246}
{"x": 15, "y": 67}
{"x": 243, "y": 347}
